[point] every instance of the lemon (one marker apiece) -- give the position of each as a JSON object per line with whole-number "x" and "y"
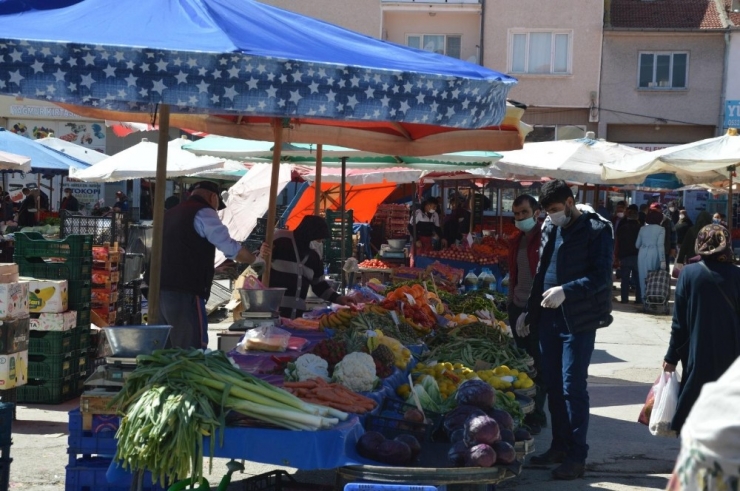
{"x": 510, "y": 395}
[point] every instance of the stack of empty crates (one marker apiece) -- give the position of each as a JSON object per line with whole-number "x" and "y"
{"x": 59, "y": 292}
{"x": 91, "y": 446}
{"x": 393, "y": 218}
{"x": 333, "y": 246}
{"x": 106, "y": 279}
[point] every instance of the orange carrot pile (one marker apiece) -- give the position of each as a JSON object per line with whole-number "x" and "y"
{"x": 337, "y": 396}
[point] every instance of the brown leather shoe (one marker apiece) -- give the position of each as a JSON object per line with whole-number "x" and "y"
{"x": 569, "y": 470}
{"x": 550, "y": 457}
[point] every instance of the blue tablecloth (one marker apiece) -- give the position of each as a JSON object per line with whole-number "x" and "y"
{"x": 424, "y": 261}
{"x": 305, "y": 450}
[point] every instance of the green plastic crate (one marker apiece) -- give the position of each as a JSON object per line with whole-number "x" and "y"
{"x": 79, "y": 293}
{"x": 72, "y": 269}
{"x": 33, "y": 244}
{"x": 52, "y": 342}
{"x": 83, "y": 317}
{"x": 50, "y": 367}
{"x": 82, "y": 338}
{"x": 51, "y": 391}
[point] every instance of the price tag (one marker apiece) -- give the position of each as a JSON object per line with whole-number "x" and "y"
{"x": 411, "y": 299}
{"x": 394, "y": 316}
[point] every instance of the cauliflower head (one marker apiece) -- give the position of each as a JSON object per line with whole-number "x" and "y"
{"x": 310, "y": 366}
{"x": 356, "y": 371}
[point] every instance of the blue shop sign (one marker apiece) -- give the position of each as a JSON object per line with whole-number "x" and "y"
{"x": 732, "y": 114}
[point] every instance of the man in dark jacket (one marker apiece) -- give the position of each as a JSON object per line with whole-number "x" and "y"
{"x": 69, "y": 202}
{"x": 296, "y": 265}
{"x": 626, "y": 252}
{"x": 571, "y": 297}
{"x": 192, "y": 232}
{"x": 524, "y": 254}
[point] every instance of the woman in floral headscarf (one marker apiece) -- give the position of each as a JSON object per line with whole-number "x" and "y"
{"x": 705, "y": 335}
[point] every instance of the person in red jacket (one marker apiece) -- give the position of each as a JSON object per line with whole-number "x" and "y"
{"x": 524, "y": 254}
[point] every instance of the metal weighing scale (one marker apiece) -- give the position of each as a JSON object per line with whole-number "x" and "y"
{"x": 253, "y": 320}
{"x": 260, "y": 310}
{"x": 389, "y": 252}
{"x": 113, "y": 374}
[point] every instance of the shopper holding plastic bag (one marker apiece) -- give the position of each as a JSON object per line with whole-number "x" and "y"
{"x": 705, "y": 334}
{"x": 664, "y": 408}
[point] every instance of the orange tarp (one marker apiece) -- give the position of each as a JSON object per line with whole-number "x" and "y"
{"x": 363, "y": 200}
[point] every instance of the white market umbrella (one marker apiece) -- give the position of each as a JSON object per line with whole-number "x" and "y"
{"x": 356, "y": 177}
{"x": 13, "y": 162}
{"x": 571, "y": 160}
{"x": 140, "y": 162}
{"x": 83, "y": 154}
{"x": 698, "y": 162}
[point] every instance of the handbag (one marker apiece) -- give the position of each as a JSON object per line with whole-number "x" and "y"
{"x": 676, "y": 270}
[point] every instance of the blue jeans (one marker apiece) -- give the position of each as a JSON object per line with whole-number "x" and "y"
{"x": 186, "y": 313}
{"x": 629, "y": 271}
{"x": 565, "y": 360}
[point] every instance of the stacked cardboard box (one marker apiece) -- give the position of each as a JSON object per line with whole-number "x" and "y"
{"x": 14, "y": 328}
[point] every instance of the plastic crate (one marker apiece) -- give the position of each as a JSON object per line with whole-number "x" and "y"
{"x": 100, "y": 439}
{"x": 54, "y": 391}
{"x": 390, "y": 423}
{"x": 89, "y": 474}
{"x": 108, "y": 229}
{"x": 83, "y": 317}
{"x": 279, "y": 481}
{"x": 7, "y": 412}
{"x": 130, "y": 298}
{"x": 33, "y": 244}
{"x": 5, "y": 473}
{"x": 49, "y": 367}
{"x": 52, "y": 342}
{"x": 81, "y": 340}
{"x": 79, "y": 293}
{"x": 71, "y": 269}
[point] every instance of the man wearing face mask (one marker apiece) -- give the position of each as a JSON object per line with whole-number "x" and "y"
{"x": 524, "y": 254}
{"x": 192, "y": 232}
{"x": 296, "y": 265}
{"x": 69, "y": 202}
{"x": 571, "y": 297}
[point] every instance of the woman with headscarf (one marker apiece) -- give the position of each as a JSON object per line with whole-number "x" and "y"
{"x": 687, "y": 246}
{"x": 651, "y": 246}
{"x": 705, "y": 334}
{"x": 296, "y": 265}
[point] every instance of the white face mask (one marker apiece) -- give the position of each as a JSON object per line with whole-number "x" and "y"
{"x": 525, "y": 225}
{"x": 620, "y": 214}
{"x": 672, "y": 208}
{"x": 560, "y": 218}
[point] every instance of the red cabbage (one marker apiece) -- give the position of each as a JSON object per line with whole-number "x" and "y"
{"x": 475, "y": 392}
{"x": 481, "y": 429}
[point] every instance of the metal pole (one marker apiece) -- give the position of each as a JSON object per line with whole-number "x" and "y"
{"x": 317, "y": 181}
{"x": 343, "y": 203}
{"x": 729, "y": 201}
{"x": 158, "y": 214}
{"x": 277, "y": 130}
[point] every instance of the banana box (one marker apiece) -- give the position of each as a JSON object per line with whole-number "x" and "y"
{"x": 64, "y": 321}
{"x": 13, "y": 299}
{"x": 47, "y": 296}
{"x": 14, "y": 334}
{"x": 13, "y": 370}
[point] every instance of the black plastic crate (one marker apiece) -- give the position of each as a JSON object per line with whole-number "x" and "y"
{"x": 10, "y": 395}
{"x": 33, "y": 244}
{"x": 108, "y": 229}
{"x": 78, "y": 268}
{"x": 7, "y": 412}
{"x": 280, "y": 481}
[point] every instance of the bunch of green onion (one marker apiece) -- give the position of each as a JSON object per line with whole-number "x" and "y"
{"x": 175, "y": 397}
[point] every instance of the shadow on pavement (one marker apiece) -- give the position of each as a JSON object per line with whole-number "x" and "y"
{"x": 602, "y": 356}
{"x": 36, "y": 427}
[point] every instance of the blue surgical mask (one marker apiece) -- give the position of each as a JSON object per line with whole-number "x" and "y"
{"x": 525, "y": 225}
{"x": 716, "y": 221}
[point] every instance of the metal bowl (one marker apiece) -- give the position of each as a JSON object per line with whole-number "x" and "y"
{"x": 267, "y": 300}
{"x": 397, "y": 243}
{"x": 130, "y": 341}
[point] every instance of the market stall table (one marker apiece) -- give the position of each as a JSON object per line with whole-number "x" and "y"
{"x": 426, "y": 261}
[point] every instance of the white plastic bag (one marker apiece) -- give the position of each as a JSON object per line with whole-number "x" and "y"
{"x": 666, "y": 400}
{"x": 265, "y": 338}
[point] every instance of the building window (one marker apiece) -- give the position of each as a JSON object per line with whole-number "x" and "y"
{"x": 540, "y": 52}
{"x": 436, "y": 43}
{"x": 663, "y": 70}
{"x": 548, "y": 133}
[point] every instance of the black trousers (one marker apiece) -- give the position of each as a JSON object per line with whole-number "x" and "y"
{"x": 531, "y": 344}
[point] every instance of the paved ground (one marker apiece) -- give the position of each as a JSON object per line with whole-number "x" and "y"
{"x": 623, "y": 456}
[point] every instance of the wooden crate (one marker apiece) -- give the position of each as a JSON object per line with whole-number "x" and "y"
{"x": 95, "y": 402}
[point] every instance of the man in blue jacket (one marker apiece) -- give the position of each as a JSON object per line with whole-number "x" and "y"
{"x": 571, "y": 297}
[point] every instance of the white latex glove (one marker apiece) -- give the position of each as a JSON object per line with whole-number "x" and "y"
{"x": 522, "y": 329}
{"x": 553, "y": 298}
{"x": 258, "y": 265}
{"x": 662, "y": 265}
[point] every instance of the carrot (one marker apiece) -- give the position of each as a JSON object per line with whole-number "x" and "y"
{"x": 332, "y": 395}
{"x": 306, "y": 384}
{"x": 321, "y": 382}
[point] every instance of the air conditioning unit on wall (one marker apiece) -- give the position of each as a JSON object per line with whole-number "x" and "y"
{"x": 735, "y": 6}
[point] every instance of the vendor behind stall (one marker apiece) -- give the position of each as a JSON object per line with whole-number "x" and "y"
{"x": 425, "y": 224}
{"x": 457, "y": 223}
{"x": 296, "y": 266}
